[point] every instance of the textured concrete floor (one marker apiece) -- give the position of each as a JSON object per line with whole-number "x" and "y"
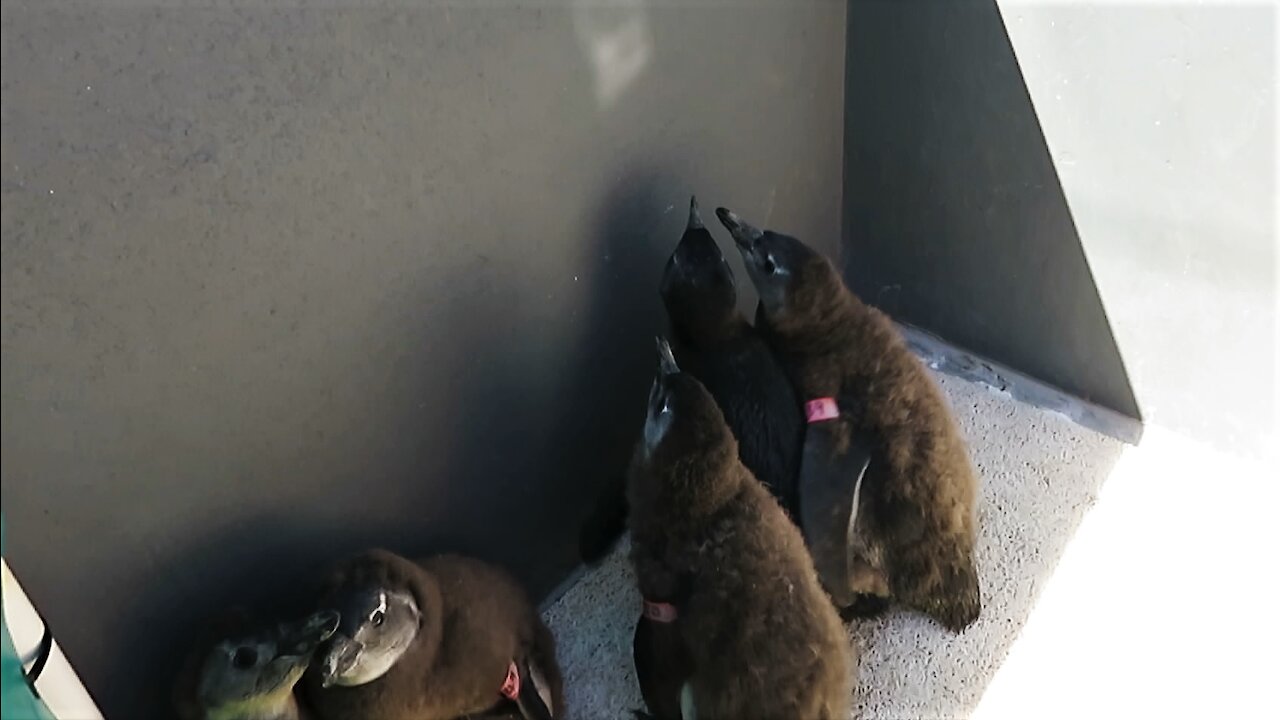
{"x": 1040, "y": 475}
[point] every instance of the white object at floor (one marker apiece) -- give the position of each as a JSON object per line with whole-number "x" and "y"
{"x": 59, "y": 686}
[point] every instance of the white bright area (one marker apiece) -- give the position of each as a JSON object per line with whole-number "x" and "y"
{"x": 1163, "y": 604}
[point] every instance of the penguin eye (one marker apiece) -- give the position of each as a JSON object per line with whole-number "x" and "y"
{"x": 244, "y": 658}
{"x": 377, "y": 618}
{"x": 769, "y": 265}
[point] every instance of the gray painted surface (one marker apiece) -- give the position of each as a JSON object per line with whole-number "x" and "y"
{"x": 1161, "y": 119}
{"x": 954, "y": 219}
{"x": 281, "y": 284}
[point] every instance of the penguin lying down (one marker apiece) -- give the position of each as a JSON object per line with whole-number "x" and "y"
{"x": 244, "y": 670}
{"x": 725, "y": 574}
{"x": 912, "y": 531}
{"x": 443, "y": 638}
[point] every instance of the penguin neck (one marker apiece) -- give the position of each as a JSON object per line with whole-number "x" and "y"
{"x": 703, "y": 333}
{"x": 700, "y": 322}
{"x": 688, "y": 489}
{"x": 824, "y": 323}
{"x": 279, "y": 705}
{"x": 426, "y": 644}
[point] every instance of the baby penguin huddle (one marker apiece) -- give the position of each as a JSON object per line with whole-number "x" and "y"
{"x": 817, "y": 417}
{"x": 789, "y": 473}
{"x": 447, "y": 637}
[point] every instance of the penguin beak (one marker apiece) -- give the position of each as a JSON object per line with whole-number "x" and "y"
{"x": 695, "y": 217}
{"x": 338, "y": 661}
{"x": 302, "y": 638}
{"x": 666, "y": 359}
{"x": 745, "y": 235}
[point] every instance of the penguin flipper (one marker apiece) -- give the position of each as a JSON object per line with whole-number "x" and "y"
{"x": 833, "y": 464}
{"x": 534, "y": 697}
{"x": 663, "y": 665}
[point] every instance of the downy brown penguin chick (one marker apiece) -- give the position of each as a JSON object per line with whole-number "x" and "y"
{"x": 248, "y": 671}
{"x": 764, "y": 640}
{"x": 438, "y": 639}
{"x": 914, "y": 528}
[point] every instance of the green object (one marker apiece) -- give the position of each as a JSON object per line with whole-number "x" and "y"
{"x": 17, "y": 700}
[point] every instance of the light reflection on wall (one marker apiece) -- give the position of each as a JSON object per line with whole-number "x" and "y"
{"x": 614, "y": 35}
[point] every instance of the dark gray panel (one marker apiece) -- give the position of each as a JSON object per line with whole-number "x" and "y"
{"x": 954, "y": 218}
{"x": 281, "y": 284}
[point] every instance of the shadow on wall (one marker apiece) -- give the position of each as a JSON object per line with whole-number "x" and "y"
{"x": 955, "y": 220}
{"x": 280, "y": 285}
{"x": 416, "y": 491}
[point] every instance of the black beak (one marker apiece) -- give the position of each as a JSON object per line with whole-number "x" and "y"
{"x": 340, "y": 657}
{"x": 302, "y": 638}
{"x": 666, "y": 360}
{"x": 695, "y": 218}
{"x": 744, "y": 233}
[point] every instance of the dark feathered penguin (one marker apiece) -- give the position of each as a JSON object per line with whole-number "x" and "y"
{"x": 435, "y": 640}
{"x": 763, "y": 640}
{"x": 914, "y": 531}
{"x": 719, "y": 347}
{"x": 246, "y": 670}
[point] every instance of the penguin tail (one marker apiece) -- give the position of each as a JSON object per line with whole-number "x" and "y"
{"x": 956, "y": 601}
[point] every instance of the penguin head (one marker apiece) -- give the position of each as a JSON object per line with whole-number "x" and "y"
{"x": 252, "y": 674}
{"x": 379, "y": 624}
{"x": 697, "y": 284}
{"x": 683, "y": 418}
{"x": 791, "y": 278}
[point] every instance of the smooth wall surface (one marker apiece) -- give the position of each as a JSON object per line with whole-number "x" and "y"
{"x": 280, "y": 284}
{"x": 1161, "y": 120}
{"x": 955, "y": 221}
{"x": 1085, "y": 192}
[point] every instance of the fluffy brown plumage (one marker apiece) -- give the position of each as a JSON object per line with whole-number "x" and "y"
{"x": 764, "y": 639}
{"x": 475, "y": 620}
{"x": 916, "y": 525}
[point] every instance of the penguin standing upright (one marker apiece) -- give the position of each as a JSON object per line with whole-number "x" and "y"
{"x": 248, "y": 670}
{"x": 718, "y": 346}
{"x": 912, "y": 526}
{"x": 763, "y": 639}
{"x": 439, "y": 639}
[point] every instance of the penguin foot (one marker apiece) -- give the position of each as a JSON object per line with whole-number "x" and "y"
{"x": 864, "y": 606}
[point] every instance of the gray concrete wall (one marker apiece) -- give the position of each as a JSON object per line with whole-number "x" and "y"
{"x": 1085, "y": 192}
{"x": 279, "y": 284}
{"x": 1161, "y": 120}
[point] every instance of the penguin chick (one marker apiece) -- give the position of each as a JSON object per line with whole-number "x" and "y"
{"x": 914, "y": 531}
{"x": 763, "y": 638}
{"x": 719, "y": 347}
{"x": 442, "y": 638}
{"x": 248, "y": 671}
